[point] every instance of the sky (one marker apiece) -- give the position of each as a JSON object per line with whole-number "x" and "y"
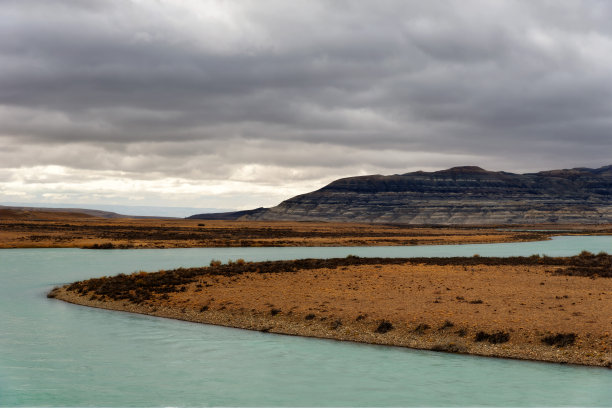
{"x": 241, "y": 104}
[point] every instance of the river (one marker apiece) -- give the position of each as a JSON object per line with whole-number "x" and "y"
{"x": 58, "y": 354}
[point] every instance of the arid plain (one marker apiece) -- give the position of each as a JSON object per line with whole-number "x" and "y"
{"x": 42, "y": 229}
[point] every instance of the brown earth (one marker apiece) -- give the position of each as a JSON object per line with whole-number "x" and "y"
{"x": 483, "y": 306}
{"x": 39, "y": 229}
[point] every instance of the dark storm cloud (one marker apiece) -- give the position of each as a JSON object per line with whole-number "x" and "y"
{"x": 198, "y": 89}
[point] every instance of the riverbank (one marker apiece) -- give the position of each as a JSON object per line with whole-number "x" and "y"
{"x": 524, "y": 308}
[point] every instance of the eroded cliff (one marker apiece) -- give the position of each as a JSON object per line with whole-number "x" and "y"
{"x": 460, "y": 195}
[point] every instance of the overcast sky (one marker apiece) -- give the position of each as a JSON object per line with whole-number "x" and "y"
{"x": 240, "y": 104}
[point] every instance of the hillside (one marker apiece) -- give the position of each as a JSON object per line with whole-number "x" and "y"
{"x": 51, "y": 213}
{"x": 31, "y": 213}
{"x": 460, "y": 195}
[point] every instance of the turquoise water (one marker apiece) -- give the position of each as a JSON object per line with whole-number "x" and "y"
{"x": 57, "y": 354}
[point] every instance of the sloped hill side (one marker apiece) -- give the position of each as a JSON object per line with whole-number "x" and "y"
{"x": 19, "y": 214}
{"x": 46, "y": 213}
{"x": 460, "y": 195}
{"x": 227, "y": 216}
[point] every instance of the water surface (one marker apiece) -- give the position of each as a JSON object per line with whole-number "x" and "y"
{"x": 57, "y": 354}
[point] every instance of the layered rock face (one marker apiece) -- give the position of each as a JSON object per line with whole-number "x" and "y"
{"x": 460, "y": 195}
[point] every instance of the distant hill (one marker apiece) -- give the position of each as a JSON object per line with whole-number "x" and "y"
{"x": 120, "y": 210}
{"x": 228, "y": 216}
{"x": 460, "y": 195}
{"x": 32, "y": 213}
{"x": 48, "y": 213}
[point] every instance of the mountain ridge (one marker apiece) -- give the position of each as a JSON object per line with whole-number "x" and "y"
{"x": 459, "y": 195}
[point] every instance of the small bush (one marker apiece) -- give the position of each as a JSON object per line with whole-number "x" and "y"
{"x": 481, "y": 336}
{"x": 310, "y": 316}
{"x": 421, "y": 328}
{"x": 560, "y": 339}
{"x": 336, "y": 324}
{"x": 499, "y": 337}
{"x": 106, "y": 245}
{"x": 274, "y": 312}
{"x": 215, "y": 262}
{"x": 446, "y": 325}
{"x": 493, "y": 338}
{"x": 384, "y": 327}
{"x": 448, "y": 348}
{"x": 461, "y": 332}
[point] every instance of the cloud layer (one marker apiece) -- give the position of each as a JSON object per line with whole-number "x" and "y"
{"x": 238, "y": 104}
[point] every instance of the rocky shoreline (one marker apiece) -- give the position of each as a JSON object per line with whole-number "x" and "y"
{"x": 510, "y": 311}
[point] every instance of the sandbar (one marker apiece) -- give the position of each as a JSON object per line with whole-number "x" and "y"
{"x": 522, "y": 308}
